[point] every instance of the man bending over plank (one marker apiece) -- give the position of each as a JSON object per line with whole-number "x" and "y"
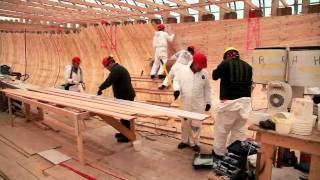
{"x": 120, "y": 80}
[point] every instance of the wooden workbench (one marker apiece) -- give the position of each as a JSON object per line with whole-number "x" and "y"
{"x": 271, "y": 139}
{"x": 78, "y": 106}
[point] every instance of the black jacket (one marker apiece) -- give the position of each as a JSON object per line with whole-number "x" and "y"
{"x": 236, "y": 79}
{"x": 120, "y": 80}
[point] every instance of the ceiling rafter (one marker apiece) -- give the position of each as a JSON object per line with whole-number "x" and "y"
{"x": 183, "y": 3}
{"x": 22, "y": 15}
{"x": 162, "y": 7}
{"x": 89, "y": 4}
{"x": 221, "y": 5}
{"x": 37, "y": 11}
{"x": 17, "y": 26}
{"x": 284, "y": 3}
{"x": 253, "y": 6}
{"x": 77, "y": 9}
{"x": 35, "y": 7}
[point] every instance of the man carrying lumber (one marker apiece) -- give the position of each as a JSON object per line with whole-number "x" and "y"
{"x": 160, "y": 43}
{"x": 182, "y": 58}
{"x": 235, "y": 106}
{"x": 73, "y": 76}
{"x": 120, "y": 80}
{"x": 192, "y": 82}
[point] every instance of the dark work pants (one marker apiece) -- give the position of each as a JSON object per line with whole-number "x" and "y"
{"x": 125, "y": 122}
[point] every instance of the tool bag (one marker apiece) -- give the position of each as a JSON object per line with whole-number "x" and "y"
{"x": 5, "y": 69}
{"x": 234, "y": 164}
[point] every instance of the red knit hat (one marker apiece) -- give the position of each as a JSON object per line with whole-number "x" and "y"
{"x": 200, "y": 60}
{"x": 161, "y": 27}
{"x": 76, "y": 60}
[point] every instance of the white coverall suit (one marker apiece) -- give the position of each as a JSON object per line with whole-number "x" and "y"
{"x": 195, "y": 94}
{"x": 160, "y": 43}
{"x": 74, "y": 78}
{"x": 182, "y": 58}
{"x": 231, "y": 117}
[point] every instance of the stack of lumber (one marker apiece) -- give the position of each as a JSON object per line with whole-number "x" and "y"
{"x": 117, "y": 108}
{"x": 147, "y": 90}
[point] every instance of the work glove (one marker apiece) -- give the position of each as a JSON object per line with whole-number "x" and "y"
{"x": 208, "y": 107}
{"x": 176, "y": 94}
{"x": 99, "y": 92}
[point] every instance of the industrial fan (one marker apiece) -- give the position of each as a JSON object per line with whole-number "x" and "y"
{"x": 279, "y": 96}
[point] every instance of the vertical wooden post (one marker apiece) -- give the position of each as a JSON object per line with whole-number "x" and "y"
{"x": 246, "y": 10}
{"x": 27, "y": 111}
{"x": 274, "y": 7}
{"x": 10, "y": 110}
{"x": 305, "y": 4}
{"x": 222, "y": 12}
{"x": 133, "y": 126}
{"x": 314, "y": 167}
{"x": 266, "y": 161}
{"x": 79, "y": 139}
{"x": 41, "y": 113}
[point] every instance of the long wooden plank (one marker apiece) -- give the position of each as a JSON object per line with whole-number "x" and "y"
{"x": 65, "y": 103}
{"x": 14, "y": 170}
{"x": 131, "y": 109}
{"x": 59, "y": 172}
{"x": 168, "y": 111}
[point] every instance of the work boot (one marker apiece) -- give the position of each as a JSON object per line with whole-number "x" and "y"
{"x": 153, "y": 76}
{"x": 162, "y": 87}
{"x": 161, "y": 76}
{"x": 182, "y": 145}
{"x": 118, "y": 135}
{"x": 196, "y": 148}
{"x": 123, "y": 139}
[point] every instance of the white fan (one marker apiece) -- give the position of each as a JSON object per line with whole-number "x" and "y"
{"x": 279, "y": 96}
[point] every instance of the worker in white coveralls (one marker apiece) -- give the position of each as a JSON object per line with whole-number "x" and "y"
{"x": 73, "y": 76}
{"x": 160, "y": 44}
{"x": 235, "y": 102}
{"x": 193, "y": 85}
{"x": 182, "y": 58}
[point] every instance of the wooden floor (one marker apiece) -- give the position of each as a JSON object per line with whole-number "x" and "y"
{"x": 159, "y": 157}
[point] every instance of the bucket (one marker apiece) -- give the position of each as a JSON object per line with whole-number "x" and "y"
{"x": 283, "y": 126}
{"x": 283, "y": 122}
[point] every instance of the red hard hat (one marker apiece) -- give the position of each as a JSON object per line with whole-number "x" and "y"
{"x": 76, "y": 59}
{"x": 200, "y": 60}
{"x": 161, "y": 27}
{"x": 107, "y": 60}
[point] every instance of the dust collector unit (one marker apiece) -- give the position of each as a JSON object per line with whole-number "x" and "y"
{"x": 279, "y": 96}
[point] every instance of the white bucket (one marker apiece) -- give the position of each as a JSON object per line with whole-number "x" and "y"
{"x": 283, "y": 122}
{"x": 283, "y": 127}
